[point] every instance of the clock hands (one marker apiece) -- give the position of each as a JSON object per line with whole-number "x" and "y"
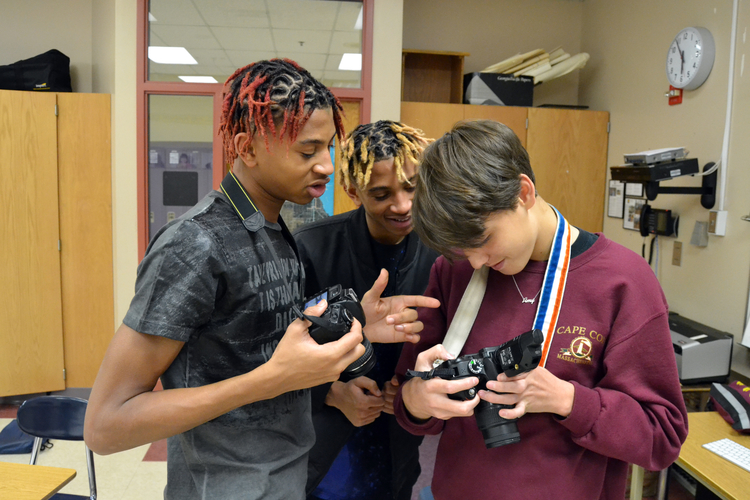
{"x": 682, "y": 56}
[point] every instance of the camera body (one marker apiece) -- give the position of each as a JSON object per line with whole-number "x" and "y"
{"x": 518, "y": 355}
{"x": 336, "y": 321}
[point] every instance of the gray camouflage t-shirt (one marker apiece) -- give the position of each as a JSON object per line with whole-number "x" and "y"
{"x": 208, "y": 282}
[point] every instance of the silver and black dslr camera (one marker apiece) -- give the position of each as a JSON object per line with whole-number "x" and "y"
{"x": 518, "y": 355}
{"x": 336, "y": 321}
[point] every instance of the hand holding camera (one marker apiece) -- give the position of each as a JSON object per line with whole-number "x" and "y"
{"x": 343, "y": 308}
{"x": 518, "y": 355}
{"x": 299, "y": 362}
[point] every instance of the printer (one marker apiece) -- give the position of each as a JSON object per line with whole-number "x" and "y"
{"x": 703, "y": 354}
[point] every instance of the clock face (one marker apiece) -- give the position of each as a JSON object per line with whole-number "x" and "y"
{"x": 690, "y": 58}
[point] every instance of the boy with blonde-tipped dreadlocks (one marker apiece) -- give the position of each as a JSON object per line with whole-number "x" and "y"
{"x": 360, "y": 451}
{"x": 213, "y": 313}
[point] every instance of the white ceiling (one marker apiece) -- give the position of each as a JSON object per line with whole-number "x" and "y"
{"x": 223, "y": 35}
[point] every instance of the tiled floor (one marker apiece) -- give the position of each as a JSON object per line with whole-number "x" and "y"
{"x": 137, "y": 474}
{"x": 141, "y": 473}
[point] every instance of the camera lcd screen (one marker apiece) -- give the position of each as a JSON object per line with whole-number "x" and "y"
{"x": 316, "y": 299}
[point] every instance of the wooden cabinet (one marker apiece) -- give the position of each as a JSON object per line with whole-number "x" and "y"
{"x": 56, "y": 304}
{"x": 567, "y": 149}
{"x": 568, "y": 153}
{"x": 429, "y": 76}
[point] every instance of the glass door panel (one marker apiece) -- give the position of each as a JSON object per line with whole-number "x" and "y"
{"x": 180, "y": 155}
{"x": 209, "y": 39}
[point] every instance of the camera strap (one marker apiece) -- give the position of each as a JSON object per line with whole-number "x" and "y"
{"x": 553, "y": 286}
{"x": 550, "y": 301}
{"x": 255, "y": 222}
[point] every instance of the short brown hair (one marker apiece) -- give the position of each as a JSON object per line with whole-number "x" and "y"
{"x": 468, "y": 174}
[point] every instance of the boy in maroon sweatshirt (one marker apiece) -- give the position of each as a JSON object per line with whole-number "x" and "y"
{"x": 607, "y": 391}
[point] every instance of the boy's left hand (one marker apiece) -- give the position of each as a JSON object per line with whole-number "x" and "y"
{"x": 391, "y": 319}
{"x": 536, "y": 391}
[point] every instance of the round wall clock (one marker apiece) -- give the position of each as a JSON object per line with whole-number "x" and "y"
{"x": 690, "y": 58}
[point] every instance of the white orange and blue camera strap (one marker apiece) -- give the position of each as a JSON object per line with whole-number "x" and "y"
{"x": 550, "y": 300}
{"x": 553, "y": 286}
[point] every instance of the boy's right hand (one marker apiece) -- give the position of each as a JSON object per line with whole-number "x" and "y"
{"x": 302, "y": 363}
{"x": 429, "y": 398}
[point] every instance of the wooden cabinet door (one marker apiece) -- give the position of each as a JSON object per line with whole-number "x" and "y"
{"x": 568, "y": 153}
{"x": 85, "y": 187}
{"x": 434, "y": 119}
{"x": 31, "y": 338}
{"x": 512, "y": 116}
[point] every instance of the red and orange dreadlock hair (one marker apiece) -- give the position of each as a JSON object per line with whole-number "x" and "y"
{"x": 274, "y": 97}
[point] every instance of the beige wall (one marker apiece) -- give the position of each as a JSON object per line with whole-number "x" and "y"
{"x": 31, "y": 28}
{"x": 626, "y": 76}
{"x": 124, "y": 168}
{"x": 386, "y": 60}
{"x": 492, "y": 31}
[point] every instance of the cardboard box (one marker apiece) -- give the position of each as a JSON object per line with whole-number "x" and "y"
{"x": 498, "y": 89}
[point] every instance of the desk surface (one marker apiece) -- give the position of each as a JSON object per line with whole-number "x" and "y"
{"x": 718, "y": 474}
{"x": 32, "y": 482}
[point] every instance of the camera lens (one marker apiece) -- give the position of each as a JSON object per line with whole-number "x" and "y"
{"x": 496, "y": 430}
{"x": 363, "y": 364}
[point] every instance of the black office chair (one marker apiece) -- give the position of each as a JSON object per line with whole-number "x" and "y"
{"x": 57, "y": 417}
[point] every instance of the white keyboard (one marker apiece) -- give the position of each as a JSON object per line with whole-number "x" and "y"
{"x": 729, "y": 450}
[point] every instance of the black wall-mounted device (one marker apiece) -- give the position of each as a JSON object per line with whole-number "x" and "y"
{"x": 658, "y": 221}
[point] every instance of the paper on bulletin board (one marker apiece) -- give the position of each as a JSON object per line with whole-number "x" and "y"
{"x": 634, "y": 189}
{"x": 616, "y": 199}
{"x": 632, "y": 218}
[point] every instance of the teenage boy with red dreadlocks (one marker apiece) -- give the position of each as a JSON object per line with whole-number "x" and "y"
{"x": 369, "y": 455}
{"x": 213, "y": 313}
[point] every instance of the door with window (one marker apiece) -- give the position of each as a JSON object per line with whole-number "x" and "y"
{"x": 187, "y": 50}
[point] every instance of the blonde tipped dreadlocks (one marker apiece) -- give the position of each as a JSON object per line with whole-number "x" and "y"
{"x": 378, "y": 141}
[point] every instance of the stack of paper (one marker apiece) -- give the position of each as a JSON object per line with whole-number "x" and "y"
{"x": 539, "y": 64}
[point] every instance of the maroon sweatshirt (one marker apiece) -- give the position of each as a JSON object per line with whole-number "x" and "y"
{"x": 628, "y": 407}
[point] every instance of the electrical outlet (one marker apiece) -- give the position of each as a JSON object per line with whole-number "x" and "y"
{"x": 717, "y": 222}
{"x": 677, "y": 254}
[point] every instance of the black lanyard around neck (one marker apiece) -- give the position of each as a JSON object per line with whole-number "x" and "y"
{"x": 255, "y": 222}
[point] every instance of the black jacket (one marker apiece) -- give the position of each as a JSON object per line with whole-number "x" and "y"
{"x": 339, "y": 250}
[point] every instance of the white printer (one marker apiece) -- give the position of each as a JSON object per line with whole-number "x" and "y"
{"x": 703, "y": 354}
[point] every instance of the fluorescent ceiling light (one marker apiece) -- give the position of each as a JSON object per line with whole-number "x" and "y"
{"x": 152, "y": 19}
{"x": 198, "y": 79}
{"x": 358, "y": 24}
{"x": 351, "y": 62}
{"x": 170, "y": 55}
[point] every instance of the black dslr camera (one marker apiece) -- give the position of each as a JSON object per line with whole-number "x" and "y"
{"x": 336, "y": 321}
{"x": 518, "y": 355}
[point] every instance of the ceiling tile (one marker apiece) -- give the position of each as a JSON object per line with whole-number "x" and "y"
{"x": 210, "y": 57}
{"x": 257, "y": 39}
{"x": 234, "y": 13}
{"x": 190, "y": 37}
{"x": 292, "y": 14}
{"x": 347, "y": 16}
{"x": 346, "y": 41}
{"x": 307, "y": 41}
{"x": 311, "y": 62}
{"x": 171, "y": 12}
{"x": 171, "y": 69}
{"x": 242, "y": 58}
